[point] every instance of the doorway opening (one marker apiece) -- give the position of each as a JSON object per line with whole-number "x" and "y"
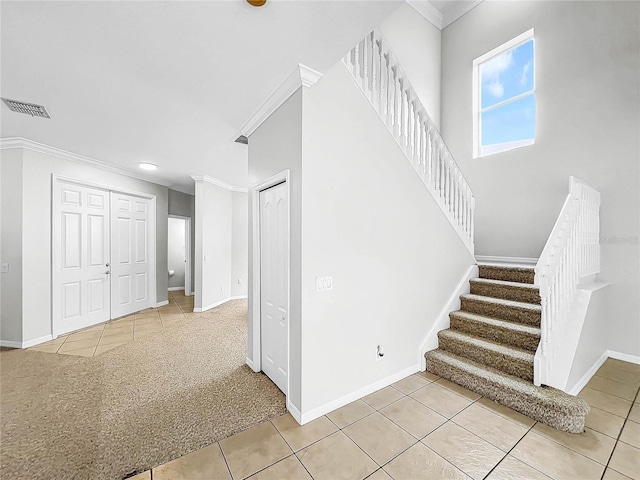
{"x": 179, "y": 253}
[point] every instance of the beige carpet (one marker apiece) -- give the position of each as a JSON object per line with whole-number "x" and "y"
{"x": 134, "y": 407}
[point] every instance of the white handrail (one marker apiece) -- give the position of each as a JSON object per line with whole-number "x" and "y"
{"x": 572, "y": 252}
{"x": 377, "y": 73}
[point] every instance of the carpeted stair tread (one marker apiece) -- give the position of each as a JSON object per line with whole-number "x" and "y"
{"x": 505, "y": 358}
{"x": 518, "y": 335}
{"x": 545, "y": 404}
{"x": 509, "y": 273}
{"x": 521, "y": 312}
{"x": 515, "y": 291}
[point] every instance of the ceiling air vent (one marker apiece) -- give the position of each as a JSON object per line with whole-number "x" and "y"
{"x": 28, "y": 108}
{"x": 242, "y": 139}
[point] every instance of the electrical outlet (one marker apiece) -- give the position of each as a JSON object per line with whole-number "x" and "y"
{"x": 324, "y": 283}
{"x": 239, "y": 281}
{"x": 4, "y": 268}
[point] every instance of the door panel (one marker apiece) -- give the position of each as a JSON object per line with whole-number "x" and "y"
{"x": 130, "y": 253}
{"x": 81, "y": 239}
{"x": 274, "y": 283}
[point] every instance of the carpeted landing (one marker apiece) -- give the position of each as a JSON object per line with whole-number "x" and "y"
{"x": 491, "y": 344}
{"x": 134, "y": 407}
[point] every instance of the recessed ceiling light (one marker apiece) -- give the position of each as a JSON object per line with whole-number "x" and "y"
{"x": 147, "y": 166}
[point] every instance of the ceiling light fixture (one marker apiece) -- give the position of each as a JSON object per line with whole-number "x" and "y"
{"x": 256, "y": 3}
{"x": 147, "y": 166}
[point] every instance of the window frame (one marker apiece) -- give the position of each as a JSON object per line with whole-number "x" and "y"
{"x": 477, "y": 88}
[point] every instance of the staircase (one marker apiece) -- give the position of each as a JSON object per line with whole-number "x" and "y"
{"x": 491, "y": 344}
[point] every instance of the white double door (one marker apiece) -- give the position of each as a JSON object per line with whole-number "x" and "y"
{"x": 102, "y": 261}
{"x": 274, "y": 284}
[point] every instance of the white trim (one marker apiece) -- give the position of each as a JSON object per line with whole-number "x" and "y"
{"x": 301, "y": 76}
{"x": 439, "y": 19}
{"x": 174, "y": 289}
{"x": 161, "y": 304}
{"x": 255, "y": 293}
{"x": 503, "y": 261}
{"x": 293, "y": 410}
{"x": 27, "y": 344}
{"x": 442, "y": 321}
{"x": 213, "y": 305}
{"x": 238, "y": 297}
{"x": 219, "y": 183}
{"x": 454, "y": 13}
{"x": 20, "y": 142}
{"x": 575, "y": 390}
{"x": 251, "y": 365}
{"x": 428, "y": 11}
{"x": 317, "y": 412}
{"x": 625, "y": 357}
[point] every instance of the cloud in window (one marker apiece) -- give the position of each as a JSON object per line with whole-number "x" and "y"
{"x": 492, "y": 72}
{"x": 525, "y": 72}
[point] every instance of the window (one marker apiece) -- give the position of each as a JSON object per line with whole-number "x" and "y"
{"x": 504, "y": 99}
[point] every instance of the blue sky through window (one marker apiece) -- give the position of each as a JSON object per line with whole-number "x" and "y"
{"x": 503, "y": 77}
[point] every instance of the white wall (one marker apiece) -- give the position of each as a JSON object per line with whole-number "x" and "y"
{"x": 416, "y": 43}
{"x": 276, "y": 146}
{"x": 369, "y": 222}
{"x": 240, "y": 244}
{"x": 11, "y": 244}
{"x": 37, "y": 171}
{"x": 588, "y": 104}
{"x": 176, "y": 249}
{"x": 184, "y": 205}
{"x": 213, "y": 245}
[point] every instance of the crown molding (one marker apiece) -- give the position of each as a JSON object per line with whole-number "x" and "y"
{"x": 458, "y": 11}
{"x": 301, "y": 76}
{"x": 428, "y": 11}
{"x": 437, "y": 18}
{"x": 218, "y": 183}
{"x": 19, "y": 142}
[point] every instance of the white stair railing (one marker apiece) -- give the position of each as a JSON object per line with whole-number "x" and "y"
{"x": 571, "y": 253}
{"x": 377, "y": 73}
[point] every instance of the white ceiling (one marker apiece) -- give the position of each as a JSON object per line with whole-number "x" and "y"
{"x": 164, "y": 82}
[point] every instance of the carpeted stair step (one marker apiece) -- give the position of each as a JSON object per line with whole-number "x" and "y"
{"x": 545, "y": 404}
{"x": 517, "y": 335}
{"x": 518, "y": 292}
{"x": 520, "y": 274}
{"x": 520, "y": 312}
{"x": 507, "y": 359}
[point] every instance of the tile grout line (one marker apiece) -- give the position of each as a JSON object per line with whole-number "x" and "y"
{"x": 619, "y": 435}
{"x": 224, "y": 457}
{"x": 511, "y": 449}
{"x": 293, "y": 452}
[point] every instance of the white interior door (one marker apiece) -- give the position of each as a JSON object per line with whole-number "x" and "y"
{"x": 81, "y": 257}
{"x": 274, "y": 284}
{"x": 130, "y": 254}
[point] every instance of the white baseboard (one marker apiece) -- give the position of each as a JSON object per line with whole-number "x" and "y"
{"x": 625, "y": 357}
{"x": 506, "y": 260}
{"x": 252, "y": 365}
{"x": 173, "y": 289}
{"x": 575, "y": 390}
{"x": 213, "y": 305}
{"x": 353, "y": 396}
{"x": 27, "y": 344}
{"x": 162, "y": 304}
{"x": 442, "y": 322}
{"x": 293, "y": 410}
{"x": 238, "y": 297}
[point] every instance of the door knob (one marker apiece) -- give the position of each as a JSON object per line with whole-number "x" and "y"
{"x": 107, "y": 272}
{"x": 106, "y": 265}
